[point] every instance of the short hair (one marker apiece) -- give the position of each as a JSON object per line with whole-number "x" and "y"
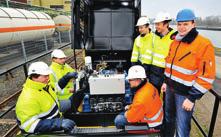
{"x": 147, "y": 25}
{"x": 34, "y": 76}
{"x": 166, "y": 21}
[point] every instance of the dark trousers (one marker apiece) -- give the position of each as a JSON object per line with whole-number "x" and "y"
{"x": 76, "y": 99}
{"x": 147, "y": 69}
{"x": 156, "y": 77}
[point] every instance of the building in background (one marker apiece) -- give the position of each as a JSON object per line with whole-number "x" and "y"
{"x": 62, "y": 5}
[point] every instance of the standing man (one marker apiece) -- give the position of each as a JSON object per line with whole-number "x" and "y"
{"x": 62, "y": 79}
{"x": 161, "y": 45}
{"x": 37, "y": 108}
{"x": 142, "y": 49}
{"x": 190, "y": 72}
{"x": 146, "y": 106}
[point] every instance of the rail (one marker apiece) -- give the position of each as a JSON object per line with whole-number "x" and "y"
{"x": 13, "y": 131}
{"x": 214, "y": 115}
{"x": 8, "y": 99}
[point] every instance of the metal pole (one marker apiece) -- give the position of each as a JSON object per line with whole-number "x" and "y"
{"x": 46, "y": 44}
{"x": 23, "y": 49}
{"x": 69, "y": 36}
{"x": 199, "y": 127}
{"x": 214, "y": 116}
{"x": 7, "y": 4}
{"x": 25, "y": 70}
{"x": 59, "y": 35}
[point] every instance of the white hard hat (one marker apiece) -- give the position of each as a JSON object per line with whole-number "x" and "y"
{"x": 142, "y": 21}
{"x": 39, "y": 68}
{"x": 136, "y": 71}
{"x": 162, "y": 16}
{"x": 57, "y": 53}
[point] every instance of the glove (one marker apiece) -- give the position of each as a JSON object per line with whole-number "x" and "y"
{"x": 127, "y": 107}
{"x": 67, "y": 125}
{"x": 65, "y": 79}
{"x": 71, "y": 75}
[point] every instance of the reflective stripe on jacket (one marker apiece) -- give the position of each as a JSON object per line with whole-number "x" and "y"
{"x": 161, "y": 46}
{"x": 36, "y": 102}
{"x": 58, "y": 72}
{"x": 146, "y": 106}
{"x": 191, "y": 62}
{"x": 142, "y": 49}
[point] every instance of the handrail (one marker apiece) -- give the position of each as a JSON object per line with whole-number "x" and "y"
{"x": 214, "y": 115}
{"x": 216, "y": 93}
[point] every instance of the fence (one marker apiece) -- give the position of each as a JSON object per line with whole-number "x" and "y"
{"x": 12, "y": 55}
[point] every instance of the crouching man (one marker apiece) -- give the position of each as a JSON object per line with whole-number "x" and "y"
{"x": 146, "y": 106}
{"x": 37, "y": 108}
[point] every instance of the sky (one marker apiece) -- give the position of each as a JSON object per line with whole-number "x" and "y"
{"x": 202, "y": 8}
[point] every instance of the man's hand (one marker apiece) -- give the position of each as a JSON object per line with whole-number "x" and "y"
{"x": 187, "y": 105}
{"x": 164, "y": 87}
{"x": 67, "y": 125}
{"x": 71, "y": 90}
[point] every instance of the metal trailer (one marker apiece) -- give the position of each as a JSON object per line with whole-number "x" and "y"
{"x": 105, "y": 29}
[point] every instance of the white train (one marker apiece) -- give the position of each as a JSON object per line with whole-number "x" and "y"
{"x": 18, "y": 24}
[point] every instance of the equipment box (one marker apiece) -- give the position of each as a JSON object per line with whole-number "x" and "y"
{"x": 107, "y": 84}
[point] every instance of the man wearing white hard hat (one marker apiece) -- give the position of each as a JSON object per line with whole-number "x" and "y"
{"x": 62, "y": 79}
{"x": 146, "y": 106}
{"x": 37, "y": 108}
{"x": 142, "y": 49}
{"x": 161, "y": 44}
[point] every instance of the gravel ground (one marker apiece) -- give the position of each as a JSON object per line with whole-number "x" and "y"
{"x": 4, "y": 128}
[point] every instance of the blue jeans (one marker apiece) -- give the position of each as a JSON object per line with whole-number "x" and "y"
{"x": 176, "y": 118}
{"x": 120, "y": 121}
{"x": 65, "y": 105}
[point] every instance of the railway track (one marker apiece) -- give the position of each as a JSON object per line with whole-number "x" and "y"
{"x": 8, "y": 124}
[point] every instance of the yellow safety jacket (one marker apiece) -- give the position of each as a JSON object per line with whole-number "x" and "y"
{"x": 161, "y": 46}
{"x": 58, "y": 72}
{"x": 36, "y": 102}
{"x": 142, "y": 49}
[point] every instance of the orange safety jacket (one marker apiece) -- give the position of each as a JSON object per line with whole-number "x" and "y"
{"x": 146, "y": 106}
{"x": 190, "y": 65}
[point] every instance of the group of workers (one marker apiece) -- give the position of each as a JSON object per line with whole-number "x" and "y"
{"x": 47, "y": 93}
{"x": 181, "y": 64}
